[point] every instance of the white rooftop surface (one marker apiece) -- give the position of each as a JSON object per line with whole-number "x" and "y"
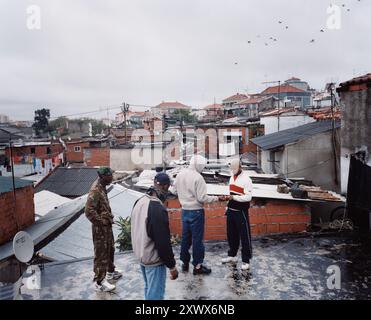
{"x": 46, "y": 201}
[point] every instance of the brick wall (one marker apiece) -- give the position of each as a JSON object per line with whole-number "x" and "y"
{"x": 40, "y": 152}
{"x": 94, "y": 157}
{"x": 76, "y": 156}
{"x": 24, "y": 212}
{"x": 266, "y": 217}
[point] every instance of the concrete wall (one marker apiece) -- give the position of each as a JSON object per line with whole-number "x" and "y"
{"x": 356, "y": 128}
{"x": 311, "y": 159}
{"x": 286, "y": 122}
{"x": 124, "y": 159}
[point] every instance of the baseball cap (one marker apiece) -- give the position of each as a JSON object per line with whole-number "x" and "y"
{"x": 106, "y": 171}
{"x": 162, "y": 178}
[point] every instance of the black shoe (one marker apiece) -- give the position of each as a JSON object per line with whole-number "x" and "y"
{"x": 185, "y": 267}
{"x": 201, "y": 270}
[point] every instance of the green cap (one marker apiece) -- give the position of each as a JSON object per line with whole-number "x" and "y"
{"x": 106, "y": 171}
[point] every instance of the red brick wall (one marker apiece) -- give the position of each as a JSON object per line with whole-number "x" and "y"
{"x": 40, "y": 152}
{"x": 24, "y": 212}
{"x": 94, "y": 157}
{"x": 266, "y": 217}
{"x": 71, "y": 155}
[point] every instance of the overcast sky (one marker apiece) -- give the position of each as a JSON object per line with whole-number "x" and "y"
{"x": 92, "y": 54}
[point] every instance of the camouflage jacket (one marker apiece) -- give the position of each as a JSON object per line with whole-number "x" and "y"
{"x": 97, "y": 208}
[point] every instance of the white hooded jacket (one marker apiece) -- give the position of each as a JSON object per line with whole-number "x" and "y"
{"x": 191, "y": 186}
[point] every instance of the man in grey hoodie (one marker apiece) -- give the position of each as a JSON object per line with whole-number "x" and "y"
{"x": 192, "y": 194}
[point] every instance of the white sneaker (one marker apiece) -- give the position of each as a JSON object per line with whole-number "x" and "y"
{"x": 115, "y": 275}
{"x": 105, "y": 286}
{"x": 245, "y": 266}
{"x": 229, "y": 259}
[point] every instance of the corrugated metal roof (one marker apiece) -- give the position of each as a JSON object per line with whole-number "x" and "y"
{"x": 6, "y": 184}
{"x": 277, "y": 139}
{"x": 76, "y": 241}
{"x": 69, "y": 182}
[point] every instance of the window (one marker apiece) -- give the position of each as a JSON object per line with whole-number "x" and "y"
{"x": 77, "y": 149}
{"x": 48, "y": 150}
{"x": 33, "y": 151}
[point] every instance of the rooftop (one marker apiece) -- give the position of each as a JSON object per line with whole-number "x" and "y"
{"x": 69, "y": 182}
{"x": 236, "y": 97}
{"x": 283, "y": 268}
{"x": 6, "y": 184}
{"x": 362, "y": 80}
{"x": 278, "y": 139}
{"x": 286, "y": 88}
{"x": 175, "y": 104}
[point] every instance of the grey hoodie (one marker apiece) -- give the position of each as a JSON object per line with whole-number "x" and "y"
{"x": 191, "y": 186}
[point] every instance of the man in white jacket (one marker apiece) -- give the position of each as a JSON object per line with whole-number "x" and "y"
{"x": 238, "y": 225}
{"x": 192, "y": 194}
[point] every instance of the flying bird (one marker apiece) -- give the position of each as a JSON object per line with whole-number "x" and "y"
{"x": 279, "y": 21}
{"x": 286, "y": 27}
{"x": 322, "y": 30}
{"x": 311, "y": 41}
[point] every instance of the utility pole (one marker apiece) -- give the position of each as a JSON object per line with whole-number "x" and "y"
{"x": 279, "y": 100}
{"x": 125, "y": 110}
{"x": 334, "y": 142}
{"x": 13, "y": 180}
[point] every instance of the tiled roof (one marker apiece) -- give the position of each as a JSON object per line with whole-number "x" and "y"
{"x": 286, "y": 88}
{"x": 69, "y": 182}
{"x": 6, "y": 184}
{"x": 275, "y": 112}
{"x": 175, "y": 104}
{"x": 236, "y": 97}
{"x": 293, "y": 79}
{"x": 324, "y": 113}
{"x": 278, "y": 139}
{"x": 251, "y": 100}
{"x": 362, "y": 80}
{"x": 214, "y": 106}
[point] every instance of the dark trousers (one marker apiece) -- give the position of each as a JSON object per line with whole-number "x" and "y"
{"x": 104, "y": 251}
{"x": 238, "y": 230}
{"x": 193, "y": 228}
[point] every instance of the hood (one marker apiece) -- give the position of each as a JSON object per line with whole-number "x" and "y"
{"x": 198, "y": 163}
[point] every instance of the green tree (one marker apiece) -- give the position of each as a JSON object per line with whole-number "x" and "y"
{"x": 41, "y": 121}
{"x": 183, "y": 115}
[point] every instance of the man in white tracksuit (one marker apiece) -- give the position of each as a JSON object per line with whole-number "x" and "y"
{"x": 192, "y": 194}
{"x": 238, "y": 225}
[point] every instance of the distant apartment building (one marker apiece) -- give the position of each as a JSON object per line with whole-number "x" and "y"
{"x": 4, "y": 118}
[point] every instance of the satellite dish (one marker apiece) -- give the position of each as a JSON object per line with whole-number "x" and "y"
{"x": 23, "y": 246}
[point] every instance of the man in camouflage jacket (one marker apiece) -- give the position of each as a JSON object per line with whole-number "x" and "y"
{"x": 98, "y": 211}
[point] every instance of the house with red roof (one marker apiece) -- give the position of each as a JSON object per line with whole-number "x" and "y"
{"x": 168, "y": 108}
{"x": 290, "y": 95}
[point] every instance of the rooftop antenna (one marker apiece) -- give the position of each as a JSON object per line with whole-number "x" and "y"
{"x": 23, "y": 247}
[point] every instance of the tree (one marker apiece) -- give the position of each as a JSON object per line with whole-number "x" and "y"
{"x": 41, "y": 121}
{"x": 183, "y": 115}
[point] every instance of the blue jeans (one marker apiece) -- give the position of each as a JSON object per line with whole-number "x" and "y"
{"x": 154, "y": 282}
{"x": 193, "y": 227}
